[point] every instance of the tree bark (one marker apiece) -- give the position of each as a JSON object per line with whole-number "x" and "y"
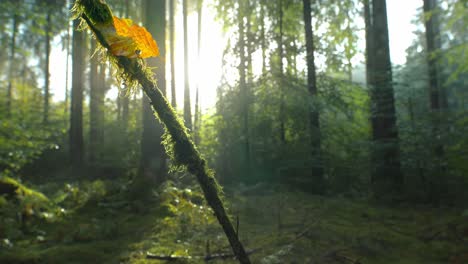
{"x": 14, "y": 24}
{"x": 197, "y": 117}
{"x": 438, "y": 99}
{"x": 187, "y": 104}
{"x": 282, "y": 116}
{"x": 96, "y": 111}
{"x": 48, "y": 32}
{"x": 153, "y": 160}
{"x": 76, "y": 112}
{"x": 172, "y": 50}
{"x": 314, "y": 121}
{"x": 243, "y": 91}
{"x": 387, "y": 178}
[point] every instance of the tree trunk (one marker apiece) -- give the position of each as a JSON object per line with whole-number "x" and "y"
{"x": 96, "y": 112}
{"x": 438, "y": 99}
{"x": 187, "y": 104}
{"x": 243, "y": 91}
{"x": 172, "y": 36}
{"x": 69, "y": 3}
{"x": 262, "y": 34}
{"x": 387, "y": 178}
{"x": 46, "y": 68}
{"x": 281, "y": 73}
{"x": 197, "y": 120}
{"x": 125, "y": 100}
{"x": 76, "y": 113}
{"x": 14, "y": 24}
{"x": 153, "y": 159}
{"x": 314, "y": 121}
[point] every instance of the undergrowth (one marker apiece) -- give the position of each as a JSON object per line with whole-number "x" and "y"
{"x": 99, "y": 222}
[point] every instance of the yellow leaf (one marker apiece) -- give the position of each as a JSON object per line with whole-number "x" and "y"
{"x": 129, "y": 40}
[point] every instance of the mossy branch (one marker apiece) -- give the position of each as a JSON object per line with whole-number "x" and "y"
{"x": 184, "y": 151}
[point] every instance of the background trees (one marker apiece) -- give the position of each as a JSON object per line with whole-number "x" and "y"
{"x": 309, "y": 96}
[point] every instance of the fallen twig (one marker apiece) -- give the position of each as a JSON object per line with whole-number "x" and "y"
{"x": 217, "y": 256}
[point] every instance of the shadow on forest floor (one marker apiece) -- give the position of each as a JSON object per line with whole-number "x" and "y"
{"x": 102, "y": 225}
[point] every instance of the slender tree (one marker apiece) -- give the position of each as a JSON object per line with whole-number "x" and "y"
{"x": 48, "y": 33}
{"x": 153, "y": 158}
{"x": 438, "y": 99}
{"x": 96, "y": 111}
{"x": 14, "y": 27}
{"x": 76, "y": 113}
{"x": 387, "y": 178}
{"x": 187, "y": 104}
{"x": 197, "y": 116}
{"x": 314, "y": 122}
{"x": 172, "y": 50}
{"x": 279, "y": 40}
{"x": 244, "y": 112}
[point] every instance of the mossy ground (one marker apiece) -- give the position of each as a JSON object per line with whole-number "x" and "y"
{"x": 100, "y": 224}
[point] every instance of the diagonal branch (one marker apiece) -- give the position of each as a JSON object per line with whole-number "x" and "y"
{"x": 95, "y": 12}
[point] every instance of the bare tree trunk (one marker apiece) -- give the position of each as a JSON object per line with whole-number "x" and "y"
{"x": 187, "y": 104}
{"x": 314, "y": 121}
{"x": 46, "y": 68}
{"x": 14, "y": 25}
{"x": 172, "y": 41}
{"x": 387, "y": 178}
{"x": 67, "y": 67}
{"x": 96, "y": 112}
{"x": 153, "y": 159}
{"x": 438, "y": 99}
{"x": 262, "y": 33}
{"x": 197, "y": 117}
{"x": 243, "y": 89}
{"x": 76, "y": 113}
{"x": 281, "y": 73}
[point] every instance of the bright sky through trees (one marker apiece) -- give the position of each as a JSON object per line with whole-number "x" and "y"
{"x": 208, "y": 72}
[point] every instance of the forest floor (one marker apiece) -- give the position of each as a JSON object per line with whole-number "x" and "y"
{"x": 99, "y": 222}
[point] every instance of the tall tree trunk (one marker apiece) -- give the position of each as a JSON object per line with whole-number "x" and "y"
{"x": 125, "y": 100}
{"x": 197, "y": 117}
{"x": 14, "y": 25}
{"x": 96, "y": 112}
{"x": 172, "y": 50}
{"x": 76, "y": 113}
{"x": 281, "y": 73}
{"x": 46, "y": 67}
{"x": 67, "y": 64}
{"x": 243, "y": 89}
{"x": 153, "y": 159}
{"x": 187, "y": 104}
{"x": 438, "y": 100}
{"x": 387, "y": 178}
{"x": 369, "y": 42}
{"x": 314, "y": 121}
{"x": 262, "y": 35}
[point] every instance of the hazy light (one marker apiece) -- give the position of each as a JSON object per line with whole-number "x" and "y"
{"x": 208, "y": 71}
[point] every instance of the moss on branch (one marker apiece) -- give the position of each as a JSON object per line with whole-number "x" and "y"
{"x": 178, "y": 143}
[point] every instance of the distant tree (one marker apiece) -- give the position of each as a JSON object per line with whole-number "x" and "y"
{"x": 387, "y": 177}
{"x": 96, "y": 104}
{"x": 314, "y": 123}
{"x": 153, "y": 159}
{"x": 187, "y": 104}
{"x": 244, "y": 109}
{"x": 197, "y": 116}
{"x": 172, "y": 50}
{"x": 14, "y": 29}
{"x": 76, "y": 113}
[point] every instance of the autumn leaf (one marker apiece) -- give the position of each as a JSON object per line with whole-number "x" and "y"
{"x": 128, "y": 39}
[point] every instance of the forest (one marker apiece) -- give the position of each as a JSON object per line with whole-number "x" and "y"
{"x": 234, "y": 131}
